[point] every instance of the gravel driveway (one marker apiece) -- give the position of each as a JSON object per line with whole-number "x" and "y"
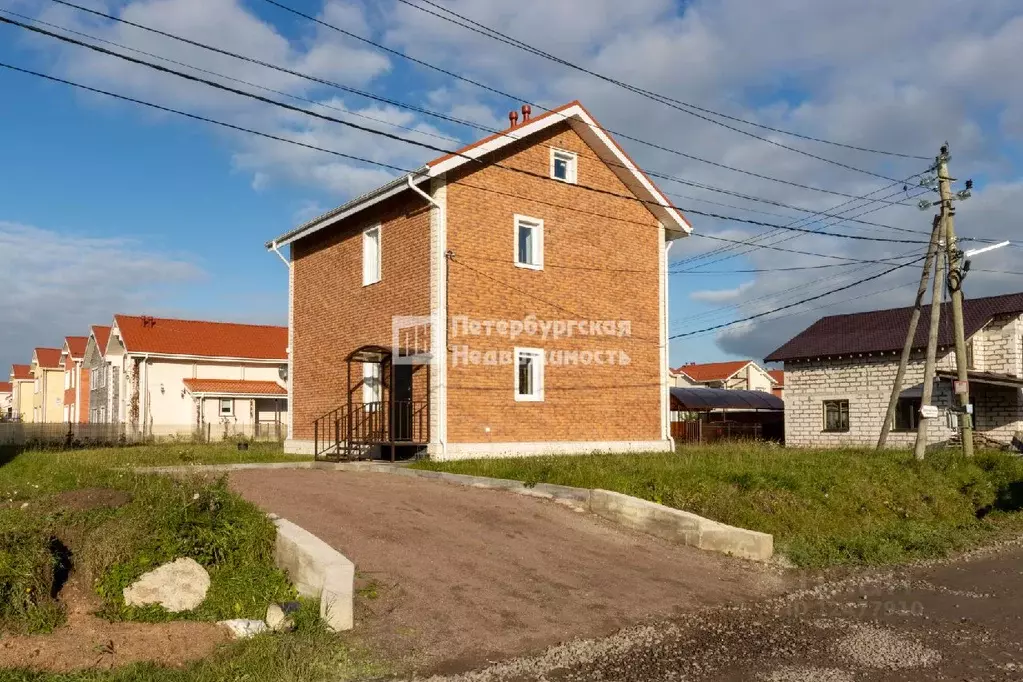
{"x": 454, "y": 577}
{"x": 961, "y": 621}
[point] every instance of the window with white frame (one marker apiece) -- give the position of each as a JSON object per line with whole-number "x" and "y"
{"x": 67, "y": 380}
{"x": 528, "y": 242}
{"x": 226, "y": 407}
{"x": 372, "y": 389}
{"x": 563, "y": 165}
{"x": 371, "y": 256}
{"x": 528, "y": 374}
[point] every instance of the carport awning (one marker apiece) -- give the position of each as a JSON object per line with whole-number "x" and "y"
{"x": 704, "y": 399}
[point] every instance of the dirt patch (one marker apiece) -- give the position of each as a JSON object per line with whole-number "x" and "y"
{"x": 453, "y": 577}
{"x": 90, "y": 642}
{"x": 87, "y": 499}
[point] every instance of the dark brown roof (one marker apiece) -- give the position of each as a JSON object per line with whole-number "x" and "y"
{"x": 885, "y": 330}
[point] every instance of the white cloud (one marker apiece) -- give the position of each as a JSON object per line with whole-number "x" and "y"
{"x": 56, "y": 284}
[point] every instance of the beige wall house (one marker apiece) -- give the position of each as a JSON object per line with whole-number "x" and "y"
{"x": 22, "y": 392}
{"x": 744, "y": 375}
{"x": 48, "y": 386}
{"x": 458, "y": 309}
{"x": 840, "y": 371}
{"x": 177, "y": 376}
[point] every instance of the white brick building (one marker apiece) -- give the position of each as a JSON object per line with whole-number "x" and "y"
{"x": 839, "y": 374}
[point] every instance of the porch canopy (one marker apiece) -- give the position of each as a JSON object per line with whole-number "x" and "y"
{"x": 986, "y": 378}
{"x": 707, "y": 399}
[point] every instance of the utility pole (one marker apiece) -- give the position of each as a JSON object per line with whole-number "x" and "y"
{"x": 932, "y": 347}
{"x": 914, "y": 320}
{"x": 955, "y": 285}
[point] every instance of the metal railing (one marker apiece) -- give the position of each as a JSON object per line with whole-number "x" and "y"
{"x": 350, "y": 433}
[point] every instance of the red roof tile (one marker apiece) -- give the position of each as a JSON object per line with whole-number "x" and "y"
{"x": 712, "y": 371}
{"x": 885, "y": 330}
{"x": 76, "y": 346}
{"x": 204, "y": 339}
{"x": 102, "y": 335}
{"x": 48, "y": 358}
{"x": 21, "y": 372}
{"x": 234, "y": 387}
{"x": 778, "y": 375}
{"x": 5, "y": 387}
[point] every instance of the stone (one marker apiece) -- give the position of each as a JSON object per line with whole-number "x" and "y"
{"x": 180, "y": 585}
{"x": 243, "y": 628}
{"x": 277, "y": 618}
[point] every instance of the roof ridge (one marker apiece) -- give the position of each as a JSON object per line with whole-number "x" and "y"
{"x": 182, "y": 319}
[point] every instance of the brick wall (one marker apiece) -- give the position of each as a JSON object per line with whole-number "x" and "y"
{"x": 334, "y": 313}
{"x": 867, "y": 384}
{"x": 581, "y": 403}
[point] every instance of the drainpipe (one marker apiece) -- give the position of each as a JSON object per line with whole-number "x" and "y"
{"x": 291, "y": 332}
{"x": 275, "y": 249}
{"x": 412, "y": 186}
{"x": 667, "y": 405}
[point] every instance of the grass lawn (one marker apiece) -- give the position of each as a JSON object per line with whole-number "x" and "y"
{"x": 48, "y": 506}
{"x": 824, "y": 507}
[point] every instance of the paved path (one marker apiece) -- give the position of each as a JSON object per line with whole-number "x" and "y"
{"x": 960, "y": 621}
{"x": 456, "y": 577}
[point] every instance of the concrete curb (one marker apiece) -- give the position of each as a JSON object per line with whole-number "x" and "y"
{"x": 318, "y": 571}
{"x": 647, "y": 517}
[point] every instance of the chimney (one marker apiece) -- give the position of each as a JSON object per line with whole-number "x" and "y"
{"x": 527, "y": 111}
{"x": 513, "y": 116}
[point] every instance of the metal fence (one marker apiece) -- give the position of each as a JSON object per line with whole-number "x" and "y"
{"x": 29, "y": 435}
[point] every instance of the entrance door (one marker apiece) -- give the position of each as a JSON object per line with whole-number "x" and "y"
{"x": 401, "y": 406}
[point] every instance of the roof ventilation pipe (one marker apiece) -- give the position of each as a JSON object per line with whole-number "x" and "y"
{"x": 513, "y": 117}
{"x": 527, "y": 111}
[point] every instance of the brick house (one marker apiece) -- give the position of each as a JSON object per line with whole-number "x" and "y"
{"x": 174, "y": 377}
{"x": 743, "y": 375}
{"x": 839, "y": 374}
{"x": 412, "y": 306}
{"x": 102, "y": 380}
{"x": 76, "y": 380}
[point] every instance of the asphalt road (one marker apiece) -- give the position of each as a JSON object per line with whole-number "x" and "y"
{"x": 959, "y": 621}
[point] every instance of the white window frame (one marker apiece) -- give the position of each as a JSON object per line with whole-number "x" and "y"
{"x": 572, "y": 165}
{"x": 67, "y": 380}
{"x": 368, "y": 275}
{"x": 538, "y": 375}
{"x": 536, "y": 225}
{"x": 220, "y": 407}
{"x": 372, "y": 384}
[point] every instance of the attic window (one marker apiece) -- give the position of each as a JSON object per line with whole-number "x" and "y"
{"x": 563, "y": 166}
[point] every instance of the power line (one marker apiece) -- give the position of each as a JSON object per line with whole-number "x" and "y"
{"x": 392, "y": 136}
{"x": 664, "y": 99}
{"x": 428, "y": 112}
{"x": 378, "y": 163}
{"x": 792, "y": 305}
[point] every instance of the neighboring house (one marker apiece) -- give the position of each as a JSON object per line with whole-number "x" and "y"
{"x": 677, "y": 379}
{"x": 744, "y": 375}
{"x": 48, "y": 386}
{"x": 22, "y": 392}
{"x": 155, "y": 362}
{"x": 530, "y": 229}
{"x": 779, "y": 382}
{"x": 6, "y": 401}
{"x": 840, "y": 371}
{"x": 102, "y": 386}
{"x": 76, "y": 381}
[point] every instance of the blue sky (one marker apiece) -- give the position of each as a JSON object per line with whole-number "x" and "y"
{"x": 107, "y": 208}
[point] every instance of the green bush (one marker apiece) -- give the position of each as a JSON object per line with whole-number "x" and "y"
{"x": 27, "y": 569}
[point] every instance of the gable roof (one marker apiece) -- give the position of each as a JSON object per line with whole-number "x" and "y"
{"x": 5, "y": 387}
{"x": 75, "y": 346}
{"x": 607, "y": 149}
{"x": 162, "y": 336}
{"x": 102, "y": 335}
{"x": 712, "y": 371}
{"x": 21, "y": 372}
{"x": 47, "y": 358}
{"x": 885, "y": 330}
